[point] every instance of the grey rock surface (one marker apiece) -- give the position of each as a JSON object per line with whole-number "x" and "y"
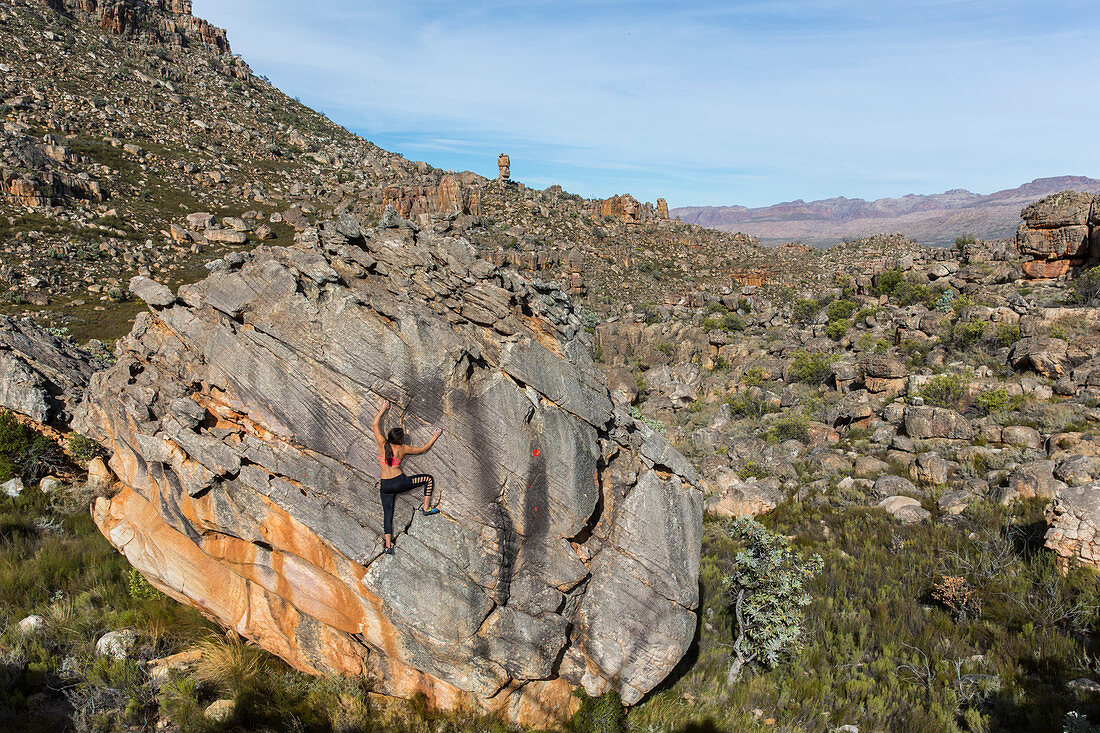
{"x": 42, "y": 376}
{"x": 567, "y": 551}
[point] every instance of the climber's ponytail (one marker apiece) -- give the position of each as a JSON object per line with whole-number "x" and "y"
{"x": 396, "y": 436}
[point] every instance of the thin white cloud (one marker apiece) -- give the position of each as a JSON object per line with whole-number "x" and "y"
{"x": 800, "y": 99}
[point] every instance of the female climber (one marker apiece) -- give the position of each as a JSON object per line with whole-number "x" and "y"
{"x": 391, "y": 451}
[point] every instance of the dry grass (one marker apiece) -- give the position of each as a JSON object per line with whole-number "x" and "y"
{"x": 229, "y": 663}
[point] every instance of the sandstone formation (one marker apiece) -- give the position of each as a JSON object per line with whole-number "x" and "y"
{"x": 41, "y": 375}
{"x": 163, "y": 21}
{"x": 238, "y": 418}
{"x": 504, "y": 164}
{"x": 454, "y": 195}
{"x": 1059, "y": 232}
{"x": 662, "y": 209}
{"x": 1073, "y": 520}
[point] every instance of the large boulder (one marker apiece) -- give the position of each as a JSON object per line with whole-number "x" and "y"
{"x": 239, "y": 421}
{"x": 936, "y": 422}
{"x": 1041, "y": 354}
{"x": 1073, "y": 526}
{"x": 42, "y": 376}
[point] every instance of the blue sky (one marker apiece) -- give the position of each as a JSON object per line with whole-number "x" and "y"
{"x": 744, "y": 102}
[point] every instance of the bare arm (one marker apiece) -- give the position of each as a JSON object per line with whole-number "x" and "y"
{"x": 418, "y": 449}
{"x": 376, "y": 426}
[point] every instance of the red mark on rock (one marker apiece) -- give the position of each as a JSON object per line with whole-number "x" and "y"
{"x": 536, "y": 452}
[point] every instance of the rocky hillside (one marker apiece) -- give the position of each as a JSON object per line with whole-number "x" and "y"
{"x": 932, "y": 220}
{"x": 134, "y": 142}
{"x": 230, "y": 283}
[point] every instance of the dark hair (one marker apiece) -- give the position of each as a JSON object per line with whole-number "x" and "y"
{"x": 396, "y": 436}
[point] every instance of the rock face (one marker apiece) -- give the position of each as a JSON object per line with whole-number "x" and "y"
{"x": 1073, "y": 520}
{"x": 662, "y": 209}
{"x": 567, "y": 550}
{"x": 504, "y": 164}
{"x": 1059, "y": 232}
{"x": 166, "y": 21}
{"x": 41, "y": 376}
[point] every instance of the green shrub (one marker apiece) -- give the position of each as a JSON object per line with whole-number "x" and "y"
{"x": 997, "y": 400}
{"x": 140, "y": 587}
{"x": 1007, "y": 334}
{"x": 753, "y": 469}
{"x": 766, "y": 595}
{"x": 805, "y": 309}
{"x": 907, "y": 293}
{"x": 25, "y": 452}
{"x": 944, "y": 390}
{"x": 730, "y": 322}
{"x": 791, "y": 427}
{"x": 754, "y": 377}
{"x": 742, "y": 405}
{"x": 887, "y": 282}
{"x": 83, "y": 448}
{"x": 963, "y": 336}
{"x": 603, "y": 714}
{"x": 1086, "y": 287}
{"x": 810, "y": 368}
{"x": 840, "y": 310}
{"x": 836, "y": 330}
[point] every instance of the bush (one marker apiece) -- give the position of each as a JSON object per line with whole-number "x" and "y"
{"x": 754, "y": 377}
{"x": 603, "y": 714}
{"x": 729, "y": 322}
{"x": 805, "y": 309}
{"x": 907, "y": 293}
{"x": 836, "y": 330}
{"x": 792, "y": 427}
{"x": 958, "y": 597}
{"x": 963, "y": 336}
{"x": 742, "y": 405}
{"x": 25, "y": 452}
{"x": 765, "y": 592}
{"x": 944, "y": 390}
{"x": 840, "y": 310}
{"x": 810, "y": 368}
{"x": 82, "y": 448}
{"x": 887, "y": 282}
{"x": 1007, "y": 334}
{"x": 1086, "y": 287}
{"x": 997, "y": 400}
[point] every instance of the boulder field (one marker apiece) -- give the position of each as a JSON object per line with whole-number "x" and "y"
{"x": 238, "y": 416}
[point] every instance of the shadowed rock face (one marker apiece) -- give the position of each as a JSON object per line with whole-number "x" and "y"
{"x": 239, "y": 419}
{"x": 41, "y": 376}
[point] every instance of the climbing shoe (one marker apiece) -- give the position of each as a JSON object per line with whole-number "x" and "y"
{"x": 428, "y": 512}
{"x": 387, "y": 550}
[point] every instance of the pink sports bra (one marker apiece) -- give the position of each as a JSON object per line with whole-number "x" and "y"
{"x": 396, "y": 461}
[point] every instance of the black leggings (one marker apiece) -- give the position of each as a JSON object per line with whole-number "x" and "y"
{"x": 391, "y": 487}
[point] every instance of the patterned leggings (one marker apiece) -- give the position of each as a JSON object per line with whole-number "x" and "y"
{"x": 391, "y": 487}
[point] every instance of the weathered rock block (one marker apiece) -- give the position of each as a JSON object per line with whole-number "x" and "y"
{"x": 1073, "y": 526}
{"x": 567, "y": 551}
{"x": 41, "y": 375}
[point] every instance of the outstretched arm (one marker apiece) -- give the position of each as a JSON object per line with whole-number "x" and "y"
{"x": 417, "y": 450}
{"x": 377, "y": 424}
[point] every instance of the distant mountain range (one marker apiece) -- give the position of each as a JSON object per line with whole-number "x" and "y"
{"x": 936, "y": 219}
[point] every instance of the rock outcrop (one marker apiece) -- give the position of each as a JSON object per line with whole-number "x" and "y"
{"x": 1073, "y": 520}
{"x": 1059, "y": 232}
{"x": 504, "y": 166}
{"x": 239, "y": 417}
{"x": 165, "y": 21}
{"x": 41, "y": 375}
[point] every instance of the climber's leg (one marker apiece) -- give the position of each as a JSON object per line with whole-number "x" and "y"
{"x": 388, "y": 491}
{"x": 428, "y": 484}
